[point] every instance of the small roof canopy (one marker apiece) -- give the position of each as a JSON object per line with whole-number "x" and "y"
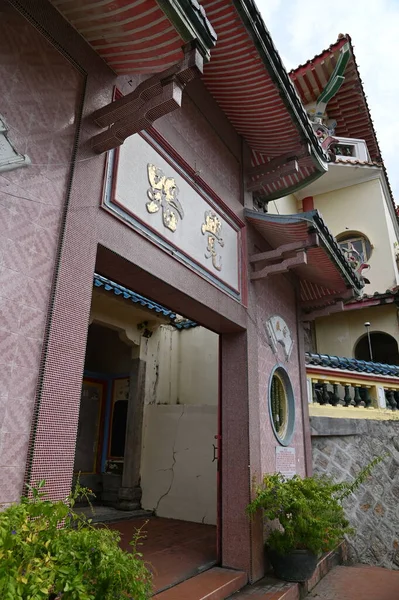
{"x": 327, "y": 275}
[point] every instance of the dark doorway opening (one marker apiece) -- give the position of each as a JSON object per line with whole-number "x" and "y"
{"x": 384, "y": 348}
{"x": 147, "y": 435}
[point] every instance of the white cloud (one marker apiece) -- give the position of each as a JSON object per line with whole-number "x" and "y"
{"x": 303, "y": 28}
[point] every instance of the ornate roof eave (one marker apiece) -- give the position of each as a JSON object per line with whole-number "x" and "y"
{"x": 363, "y": 104}
{"x": 190, "y": 20}
{"x": 262, "y": 200}
{"x": 141, "y": 37}
{"x": 267, "y": 50}
{"x": 278, "y": 229}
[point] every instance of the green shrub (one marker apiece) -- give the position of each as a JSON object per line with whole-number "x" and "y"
{"x": 309, "y": 510}
{"x": 47, "y": 551}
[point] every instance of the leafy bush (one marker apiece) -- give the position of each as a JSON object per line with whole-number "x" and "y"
{"x": 309, "y": 510}
{"x": 49, "y": 552}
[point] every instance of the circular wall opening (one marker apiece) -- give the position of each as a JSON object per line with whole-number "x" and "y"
{"x": 281, "y": 405}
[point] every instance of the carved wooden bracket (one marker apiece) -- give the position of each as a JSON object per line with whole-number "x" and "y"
{"x": 281, "y": 267}
{"x": 153, "y": 98}
{"x": 311, "y": 242}
{"x": 290, "y": 168}
{"x": 283, "y": 165}
{"x": 309, "y": 304}
{"x": 323, "y": 312}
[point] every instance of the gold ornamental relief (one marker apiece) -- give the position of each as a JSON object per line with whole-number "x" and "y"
{"x": 212, "y": 228}
{"x": 163, "y": 195}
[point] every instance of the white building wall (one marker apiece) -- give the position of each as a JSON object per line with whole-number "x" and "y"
{"x": 178, "y": 475}
{"x": 362, "y": 208}
{"x": 288, "y": 205}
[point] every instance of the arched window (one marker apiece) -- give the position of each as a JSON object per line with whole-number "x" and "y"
{"x": 354, "y": 240}
{"x": 384, "y": 348}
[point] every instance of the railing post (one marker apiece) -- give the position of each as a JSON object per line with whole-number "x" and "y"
{"x": 335, "y": 397}
{"x": 390, "y": 396}
{"x": 347, "y": 397}
{"x": 325, "y": 397}
{"x": 367, "y": 397}
{"x": 357, "y": 398}
{"x": 314, "y": 395}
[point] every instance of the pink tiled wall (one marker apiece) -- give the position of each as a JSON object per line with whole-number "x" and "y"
{"x": 39, "y": 90}
{"x": 94, "y": 239}
{"x": 277, "y": 297}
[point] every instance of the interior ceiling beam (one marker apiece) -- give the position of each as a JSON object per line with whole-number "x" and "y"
{"x": 323, "y": 312}
{"x": 153, "y": 98}
{"x": 282, "y": 267}
{"x": 312, "y": 242}
{"x": 289, "y": 168}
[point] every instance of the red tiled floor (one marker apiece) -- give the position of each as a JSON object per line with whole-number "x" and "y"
{"x": 358, "y": 583}
{"x": 215, "y": 584}
{"x": 176, "y": 550}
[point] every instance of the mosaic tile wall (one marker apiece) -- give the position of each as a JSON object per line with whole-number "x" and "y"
{"x": 39, "y": 89}
{"x": 95, "y": 240}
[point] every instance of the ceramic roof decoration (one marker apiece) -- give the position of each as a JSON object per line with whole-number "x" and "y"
{"x": 119, "y": 290}
{"x": 350, "y": 364}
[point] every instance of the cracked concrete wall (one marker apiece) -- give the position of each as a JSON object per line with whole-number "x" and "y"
{"x": 341, "y": 448}
{"x": 178, "y": 477}
{"x": 182, "y": 366}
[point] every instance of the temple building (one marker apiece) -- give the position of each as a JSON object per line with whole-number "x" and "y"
{"x": 152, "y": 308}
{"x": 355, "y": 199}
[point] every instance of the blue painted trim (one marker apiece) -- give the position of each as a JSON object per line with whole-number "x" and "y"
{"x": 119, "y": 290}
{"x": 351, "y": 364}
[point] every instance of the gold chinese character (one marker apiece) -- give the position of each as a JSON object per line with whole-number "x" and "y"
{"x": 163, "y": 195}
{"x": 213, "y": 227}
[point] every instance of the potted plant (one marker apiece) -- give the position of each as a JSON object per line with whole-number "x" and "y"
{"x": 309, "y": 518}
{"x": 49, "y": 552}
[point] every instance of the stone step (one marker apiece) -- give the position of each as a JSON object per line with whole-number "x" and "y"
{"x": 269, "y": 589}
{"x": 215, "y": 584}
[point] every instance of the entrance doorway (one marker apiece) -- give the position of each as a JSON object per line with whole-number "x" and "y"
{"x": 148, "y": 430}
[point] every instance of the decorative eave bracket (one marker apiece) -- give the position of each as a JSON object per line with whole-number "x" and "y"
{"x": 155, "y": 97}
{"x": 332, "y": 298}
{"x": 190, "y": 20}
{"x": 285, "y": 263}
{"x": 281, "y": 166}
{"x": 323, "y": 312}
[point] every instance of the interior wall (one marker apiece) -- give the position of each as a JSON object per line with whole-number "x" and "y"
{"x": 338, "y": 333}
{"x": 178, "y": 475}
{"x": 106, "y": 353}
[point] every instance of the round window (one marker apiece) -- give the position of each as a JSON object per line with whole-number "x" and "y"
{"x": 281, "y": 405}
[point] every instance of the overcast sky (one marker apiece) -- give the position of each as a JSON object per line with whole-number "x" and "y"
{"x": 303, "y": 28}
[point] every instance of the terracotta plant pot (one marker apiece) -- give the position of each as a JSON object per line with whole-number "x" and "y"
{"x": 297, "y": 566}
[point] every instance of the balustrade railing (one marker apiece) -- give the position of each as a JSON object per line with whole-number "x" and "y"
{"x": 330, "y": 385}
{"x": 352, "y": 395}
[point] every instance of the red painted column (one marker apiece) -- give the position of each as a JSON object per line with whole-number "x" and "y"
{"x": 307, "y": 204}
